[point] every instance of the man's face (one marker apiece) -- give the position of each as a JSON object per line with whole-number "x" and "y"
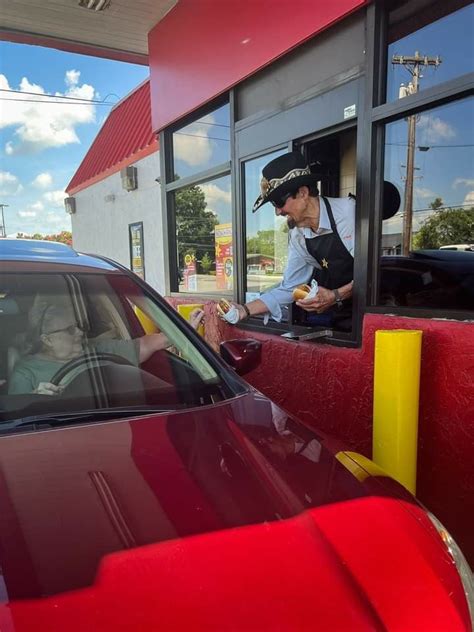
{"x": 293, "y": 206}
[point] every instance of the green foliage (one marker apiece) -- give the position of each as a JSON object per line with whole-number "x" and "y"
{"x": 64, "y": 237}
{"x": 194, "y": 224}
{"x": 206, "y": 263}
{"x": 445, "y": 227}
{"x": 267, "y": 242}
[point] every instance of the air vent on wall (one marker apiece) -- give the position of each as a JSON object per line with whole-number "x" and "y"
{"x": 94, "y": 5}
{"x": 129, "y": 178}
{"x": 70, "y": 205}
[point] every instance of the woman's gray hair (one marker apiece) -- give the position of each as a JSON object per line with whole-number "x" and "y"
{"x": 41, "y": 317}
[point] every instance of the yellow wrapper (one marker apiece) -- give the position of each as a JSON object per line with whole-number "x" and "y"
{"x": 185, "y": 310}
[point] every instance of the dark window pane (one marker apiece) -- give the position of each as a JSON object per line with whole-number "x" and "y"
{"x": 203, "y": 144}
{"x": 204, "y": 237}
{"x": 424, "y": 34}
{"x": 430, "y": 159}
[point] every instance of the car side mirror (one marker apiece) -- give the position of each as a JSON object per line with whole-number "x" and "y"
{"x": 243, "y": 354}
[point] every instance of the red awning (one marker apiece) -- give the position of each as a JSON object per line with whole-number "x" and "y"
{"x": 125, "y": 137}
{"x": 202, "y": 48}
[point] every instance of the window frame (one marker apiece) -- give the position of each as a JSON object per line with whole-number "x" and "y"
{"x": 169, "y": 186}
{"x": 380, "y": 113}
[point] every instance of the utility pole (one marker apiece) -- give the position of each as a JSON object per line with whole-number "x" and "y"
{"x": 3, "y": 230}
{"x": 413, "y": 64}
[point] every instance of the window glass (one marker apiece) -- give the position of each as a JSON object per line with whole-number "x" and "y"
{"x": 203, "y": 144}
{"x": 204, "y": 237}
{"x": 266, "y": 235}
{"x": 427, "y": 49}
{"x": 428, "y": 245}
{"x": 79, "y": 342}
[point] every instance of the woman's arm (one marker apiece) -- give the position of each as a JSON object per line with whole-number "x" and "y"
{"x": 150, "y": 343}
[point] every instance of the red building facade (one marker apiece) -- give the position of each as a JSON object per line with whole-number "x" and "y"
{"x": 232, "y": 87}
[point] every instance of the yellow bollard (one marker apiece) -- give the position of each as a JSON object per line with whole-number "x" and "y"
{"x": 396, "y": 399}
{"x": 185, "y": 310}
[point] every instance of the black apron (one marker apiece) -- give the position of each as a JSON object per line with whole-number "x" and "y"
{"x": 337, "y": 269}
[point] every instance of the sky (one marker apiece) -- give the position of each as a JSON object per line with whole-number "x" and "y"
{"x": 43, "y": 140}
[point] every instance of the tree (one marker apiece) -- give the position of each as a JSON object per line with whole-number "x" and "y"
{"x": 445, "y": 227}
{"x": 64, "y": 237}
{"x": 194, "y": 224}
{"x": 436, "y": 204}
{"x": 206, "y": 263}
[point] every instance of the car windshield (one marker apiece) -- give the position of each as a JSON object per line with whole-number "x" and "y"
{"x": 79, "y": 342}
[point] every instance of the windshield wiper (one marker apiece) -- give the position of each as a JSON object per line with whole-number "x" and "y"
{"x": 53, "y": 420}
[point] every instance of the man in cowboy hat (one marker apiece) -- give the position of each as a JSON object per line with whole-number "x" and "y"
{"x": 321, "y": 242}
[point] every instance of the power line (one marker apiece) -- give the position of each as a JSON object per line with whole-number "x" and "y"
{"x": 85, "y": 102}
{"x": 57, "y": 96}
{"x": 203, "y": 136}
{"x": 426, "y": 147}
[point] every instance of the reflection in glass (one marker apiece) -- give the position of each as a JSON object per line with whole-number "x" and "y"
{"x": 204, "y": 237}
{"x": 203, "y": 144}
{"x": 443, "y": 47}
{"x": 422, "y": 262}
{"x": 266, "y": 234}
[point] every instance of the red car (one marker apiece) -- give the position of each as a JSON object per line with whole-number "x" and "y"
{"x": 145, "y": 486}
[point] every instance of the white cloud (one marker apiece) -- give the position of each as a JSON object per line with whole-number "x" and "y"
{"x": 56, "y": 198}
{"x": 37, "y": 206}
{"x": 27, "y": 213}
{"x": 425, "y": 193}
{"x": 53, "y": 218}
{"x": 469, "y": 199}
{"x": 192, "y": 145}
{"x": 9, "y": 184}
{"x": 215, "y": 194}
{"x": 433, "y": 130}
{"x": 43, "y": 180}
{"x": 465, "y": 182}
{"x": 72, "y": 77}
{"x": 49, "y": 122}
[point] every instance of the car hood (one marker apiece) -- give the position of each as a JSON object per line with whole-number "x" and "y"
{"x": 223, "y": 517}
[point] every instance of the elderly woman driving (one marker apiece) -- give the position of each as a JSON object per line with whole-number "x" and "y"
{"x": 55, "y": 339}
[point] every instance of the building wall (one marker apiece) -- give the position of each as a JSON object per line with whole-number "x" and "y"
{"x": 104, "y": 211}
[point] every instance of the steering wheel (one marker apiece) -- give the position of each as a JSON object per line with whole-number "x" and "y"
{"x": 87, "y": 362}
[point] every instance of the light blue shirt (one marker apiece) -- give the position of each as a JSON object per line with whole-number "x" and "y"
{"x": 301, "y": 264}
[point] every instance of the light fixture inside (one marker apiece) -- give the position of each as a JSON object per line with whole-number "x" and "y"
{"x": 95, "y": 5}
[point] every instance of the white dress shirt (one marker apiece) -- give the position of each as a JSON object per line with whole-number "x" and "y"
{"x": 301, "y": 264}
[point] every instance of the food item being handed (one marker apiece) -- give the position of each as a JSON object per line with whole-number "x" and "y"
{"x": 301, "y": 292}
{"x": 227, "y": 311}
{"x": 223, "y": 306}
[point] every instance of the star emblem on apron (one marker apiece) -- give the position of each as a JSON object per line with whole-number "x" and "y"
{"x": 325, "y": 263}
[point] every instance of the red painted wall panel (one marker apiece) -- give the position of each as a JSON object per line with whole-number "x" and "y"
{"x": 331, "y": 388}
{"x": 203, "y": 47}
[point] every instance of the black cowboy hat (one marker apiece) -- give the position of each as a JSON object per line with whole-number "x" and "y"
{"x": 290, "y": 171}
{"x": 391, "y": 200}
{"x": 281, "y": 175}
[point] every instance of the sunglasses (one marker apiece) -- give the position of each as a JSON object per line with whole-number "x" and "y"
{"x": 280, "y": 202}
{"x": 71, "y": 330}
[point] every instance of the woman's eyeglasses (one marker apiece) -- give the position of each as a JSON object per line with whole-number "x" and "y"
{"x": 71, "y": 330}
{"x": 280, "y": 202}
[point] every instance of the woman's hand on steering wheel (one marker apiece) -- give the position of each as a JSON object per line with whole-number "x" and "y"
{"x": 47, "y": 388}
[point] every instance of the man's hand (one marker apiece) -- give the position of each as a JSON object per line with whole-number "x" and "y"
{"x": 46, "y": 388}
{"x": 323, "y": 300}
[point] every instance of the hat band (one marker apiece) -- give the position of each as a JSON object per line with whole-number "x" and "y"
{"x": 268, "y": 186}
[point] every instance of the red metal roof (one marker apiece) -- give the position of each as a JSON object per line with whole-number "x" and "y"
{"x": 125, "y": 137}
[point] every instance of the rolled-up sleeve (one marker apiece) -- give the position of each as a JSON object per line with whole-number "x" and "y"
{"x": 298, "y": 270}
